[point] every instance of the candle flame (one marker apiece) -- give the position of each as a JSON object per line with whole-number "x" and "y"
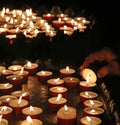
{"x": 29, "y": 120}
{"x": 29, "y": 64}
{"x": 4, "y": 108}
{"x": 93, "y": 110}
{"x": 67, "y": 68}
{"x": 59, "y": 89}
{"x": 6, "y": 84}
{"x": 23, "y": 94}
{"x": 0, "y": 118}
{"x": 31, "y": 109}
{"x": 8, "y": 99}
{"x": 15, "y": 68}
{"x": 88, "y": 118}
{"x": 21, "y": 71}
{"x": 91, "y": 102}
{"x": 65, "y": 107}
{"x": 86, "y": 93}
{"x": 88, "y": 78}
{"x": 56, "y": 80}
{"x": 43, "y": 72}
{"x": 19, "y": 100}
{"x": 59, "y": 97}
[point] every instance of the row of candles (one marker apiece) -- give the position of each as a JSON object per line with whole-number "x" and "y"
{"x": 30, "y": 24}
{"x": 17, "y": 102}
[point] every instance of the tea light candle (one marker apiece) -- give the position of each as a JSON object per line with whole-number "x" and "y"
{"x": 55, "y": 103}
{"x": 66, "y": 72}
{"x": 87, "y": 95}
{"x": 33, "y": 112}
{"x": 6, "y": 88}
{"x": 93, "y": 103}
{"x": 31, "y": 67}
{"x": 71, "y": 82}
{"x": 66, "y": 116}
{"x": 90, "y": 120}
{"x": 43, "y": 76}
{"x": 15, "y": 67}
{"x": 3, "y": 121}
{"x": 54, "y": 91}
{"x": 19, "y": 93}
{"x": 58, "y": 23}
{"x": 4, "y": 74}
{"x": 55, "y": 82}
{"x": 16, "y": 81}
{"x": 2, "y": 68}
{"x": 5, "y": 99}
{"x": 30, "y": 121}
{"x": 48, "y": 16}
{"x": 6, "y": 112}
{"x": 93, "y": 111}
{"x": 23, "y": 73}
{"x": 17, "y": 106}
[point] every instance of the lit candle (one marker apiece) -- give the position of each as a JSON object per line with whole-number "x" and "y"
{"x": 6, "y": 112}
{"x": 16, "y": 81}
{"x": 58, "y": 23}
{"x": 30, "y": 121}
{"x": 66, "y": 116}
{"x": 55, "y": 82}
{"x": 6, "y": 88}
{"x": 71, "y": 82}
{"x": 15, "y": 67}
{"x": 48, "y": 16}
{"x": 94, "y": 111}
{"x": 66, "y": 72}
{"x": 33, "y": 112}
{"x": 5, "y": 99}
{"x": 19, "y": 93}
{"x": 23, "y": 73}
{"x": 3, "y": 121}
{"x": 43, "y": 76}
{"x": 93, "y": 103}
{"x": 55, "y": 103}
{"x": 54, "y": 91}
{"x": 90, "y": 120}
{"x": 31, "y": 67}
{"x": 86, "y": 95}
{"x": 17, "y": 106}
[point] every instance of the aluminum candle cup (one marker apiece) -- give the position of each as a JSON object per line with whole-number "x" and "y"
{"x": 67, "y": 117}
{"x": 55, "y": 82}
{"x": 6, "y": 112}
{"x": 6, "y": 88}
{"x": 33, "y": 112}
{"x": 87, "y": 95}
{"x": 54, "y": 91}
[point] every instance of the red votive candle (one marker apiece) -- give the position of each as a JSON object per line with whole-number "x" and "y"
{"x": 87, "y": 95}
{"x": 55, "y": 103}
{"x": 48, "y": 16}
{"x": 17, "y": 106}
{"x": 43, "y": 76}
{"x": 6, "y": 88}
{"x": 33, "y": 112}
{"x": 31, "y": 68}
{"x": 90, "y": 120}
{"x": 54, "y": 91}
{"x": 67, "y": 116}
{"x": 16, "y": 81}
{"x": 66, "y": 72}
{"x": 58, "y": 23}
{"x": 19, "y": 93}
{"x": 5, "y": 99}
{"x": 71, "y": 82}
{"x": 6, "y": 112}
{"x": 55, "y": 82}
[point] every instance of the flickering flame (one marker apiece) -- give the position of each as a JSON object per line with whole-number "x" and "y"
{"x": 31, "y": 109}
{"x": 59, "y": 97}
{"x": 0, "y": 118}
{"x": 29, "y": 64}
{"x": 71, "y": 79}
{"x": 23, "y": 94}
{"x": 67, "y": 68}
{"x": 3, "y": 71}
{"x": 43, "y": 72}
{"x": 29, "y": 120}
{"x": 6, "y": 84}
{"x": 91, "y": 102}
{"x": 19, "y": 100}
{"x": 14, "y": 68}
{"x": 21, "y": 71}
{"x": 4, "y": 108}
{"x": 93, "y": 110}
{"x": 59, "y": 19}
{"x": 88, "y": 79}
{"x": 65, "y": 107}
{"x": 86, "y": 93}
{"x": 60, "y": 89}
{"x": 56, "y": 80}
{"x": 8, "y": 99}
{"x": 48, "y": 14}
{"x": 88, "y": 118}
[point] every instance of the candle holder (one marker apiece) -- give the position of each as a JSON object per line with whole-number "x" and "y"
{"x": 90, "y": 120}
{"x": 33, "y": 112}
{"x": 6, "y": 88}
{"x": 18, "y": 106}
{"x": 15, "y": 67}
{"x": 54, "y": 91}
{"x": 71, "y": 82}
{"x": 6, "y": 112}
{"x": 48, "y": 16}
{"x": 55, "y": 82}
{"x": 43, "y": 76}
{"x": 66, "y": 117}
